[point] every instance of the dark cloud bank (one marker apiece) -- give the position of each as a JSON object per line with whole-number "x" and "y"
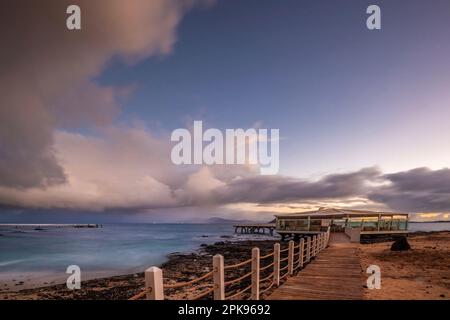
{"x": 417, "y": 190}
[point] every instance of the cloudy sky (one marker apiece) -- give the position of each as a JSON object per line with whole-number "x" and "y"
{"x": 86, "y": 115}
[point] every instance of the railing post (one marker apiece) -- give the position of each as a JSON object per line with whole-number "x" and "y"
{"x": 276, "y": 264}
{"x": 255, "y": 274}
{"x": 314, "y": 245}
{"x": 154, "y": 284}
{"x": 323, "y": 241}
{"x": 308, "y": 249}
{"x": 317, "y": 246}
{"x": 291, "y": 258}
{"x": 218, "y": 277}
{"x": 301, "y": 250}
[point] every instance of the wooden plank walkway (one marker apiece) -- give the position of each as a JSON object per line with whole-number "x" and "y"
{"x": 335, "y": 274}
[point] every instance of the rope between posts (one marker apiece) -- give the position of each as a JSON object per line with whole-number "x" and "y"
{"x": 183, "y": 284}
{"x": 238, "y": 264}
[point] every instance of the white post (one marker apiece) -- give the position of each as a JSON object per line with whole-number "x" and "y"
{"x": 301, "y": 252}
{"x": 314, "y": 244}
{"x": 276, "y": 264}
{"x": 154, "y": 284}
{"x": 318, "y": 244}
{"x": 321, "y": 242}
{"x": 308, "y": 249}
{"x": 218, "y": 277}
{"x": 291, "y": 258}
{"x": 255, "y": 274}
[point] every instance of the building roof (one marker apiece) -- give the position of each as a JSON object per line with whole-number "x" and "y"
{"x": 338, "y": 213}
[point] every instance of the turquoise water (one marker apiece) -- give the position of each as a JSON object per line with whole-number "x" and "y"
{"x": 113, "y": 249}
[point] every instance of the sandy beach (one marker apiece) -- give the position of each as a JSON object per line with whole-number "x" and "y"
{"x": 420, "y": 273}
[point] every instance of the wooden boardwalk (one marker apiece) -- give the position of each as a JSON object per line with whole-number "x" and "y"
{"x": 335, "y": 274}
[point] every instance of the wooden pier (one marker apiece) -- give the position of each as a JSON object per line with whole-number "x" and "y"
{"x": 263, "y": 273}
{"x": 259, "y": 228}
{"x": 335, "y": 274}
{"x": 322, "y": 267}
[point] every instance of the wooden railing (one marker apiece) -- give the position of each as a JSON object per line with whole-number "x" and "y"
{"x": 286, "y": 262}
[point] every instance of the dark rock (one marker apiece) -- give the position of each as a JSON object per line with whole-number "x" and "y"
{"x": 401, "y": 244}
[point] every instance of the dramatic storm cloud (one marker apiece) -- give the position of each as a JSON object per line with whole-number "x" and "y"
{"x": 418, "y": 190}
{"x": 264, "y": 189}
{"x": 46, "y": 73}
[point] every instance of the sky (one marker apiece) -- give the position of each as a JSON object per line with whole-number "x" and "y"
{"x": 86, "y": 115}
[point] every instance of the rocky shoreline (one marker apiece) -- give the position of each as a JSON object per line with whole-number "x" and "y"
{"x": 180, "y": 267}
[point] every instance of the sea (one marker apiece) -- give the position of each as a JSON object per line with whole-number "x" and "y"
{"x": 31, "y": 258}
